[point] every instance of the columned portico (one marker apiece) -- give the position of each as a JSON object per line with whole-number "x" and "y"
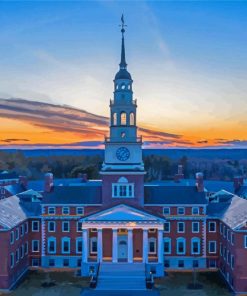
{"x": 128, "y": 234}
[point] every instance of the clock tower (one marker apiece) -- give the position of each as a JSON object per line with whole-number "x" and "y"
{"x": 123, "y": 169}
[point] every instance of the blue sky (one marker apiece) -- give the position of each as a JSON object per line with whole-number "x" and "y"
{"x": 188, "y": 59}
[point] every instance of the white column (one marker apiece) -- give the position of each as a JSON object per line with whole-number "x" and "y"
{"x": 99, "y": 246}
{"x": 130, "y": 245}
{"x": 114, "y": 246}
{"x": 145, "y": 246}
{"x": 85, "y": 245}
{"x": 160, "y": 246}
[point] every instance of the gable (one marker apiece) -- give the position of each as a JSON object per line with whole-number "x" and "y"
{"x": 123, "y": 213}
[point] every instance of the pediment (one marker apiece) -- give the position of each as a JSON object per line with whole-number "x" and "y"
{"x": 122, "y": 213}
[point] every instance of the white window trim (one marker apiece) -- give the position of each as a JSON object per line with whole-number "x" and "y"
{"x": 51, "y": 222}
{"x": 245, "y": 241}
{"x": 168, "y": 240}
{"x": 65, "y": 239}
{"x": 232, "y": 238}
{"x": 215, "y": 249}
{"x": 127, "y": 190}
{"x": 67, "y": 209}
{"x": 169, "y": 223}
{"x": 198, "y": 210}
{"x": 35, "y": 240}
{"x": 197, "y": 240}
{"x": 26, "y": 246}
{"x": 12, "y": 237}
{"x": 180, "y": 239}
{"x": 209, "y": 223}
{"x": 17, "y": 232}
{"x": 26, "y": 227}
{"x": 63, "y": 223}
{"x": 22, "y": 251}
{"x": 12, "y": 258}
{"x": 167, "y": 208}
{"x": 179, "y": 208}
{"x": 78, "y": 239}
{"x": 82, "y": 208}
{"x": 183, "y": 227}
{"x": 53, "y": 209}
{"x": 51, "y": 239}
{"x": 33, "y": 222}
{"x": 77, "y": 227}
{"x": 152, "y": 239}
{"x": 93, "y": 239}
{"x": 198, "y": 229}
{"x": 18, "y": 257}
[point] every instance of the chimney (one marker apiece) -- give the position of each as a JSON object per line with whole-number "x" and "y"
{"x": 199, "y": 182}
{"x": 48, "y": 182}
{"x": 238, "y": 182}
{"x": 23, "y": 182}
{"x": 180, "y": 174}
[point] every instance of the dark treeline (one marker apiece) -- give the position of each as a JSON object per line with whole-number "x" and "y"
{"x": 157, "y": 167}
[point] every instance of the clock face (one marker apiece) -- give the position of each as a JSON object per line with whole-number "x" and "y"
{"x": 122, "y": 153}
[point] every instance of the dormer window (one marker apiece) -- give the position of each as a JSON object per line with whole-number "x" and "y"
{"x": 123, "y": 189}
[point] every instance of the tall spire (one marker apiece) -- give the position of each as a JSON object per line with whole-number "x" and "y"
{"x": 123, "y": 64}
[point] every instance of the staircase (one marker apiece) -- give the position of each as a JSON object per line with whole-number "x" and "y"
{"x": 121, "y": 279}
{"x": 121, "y": 276}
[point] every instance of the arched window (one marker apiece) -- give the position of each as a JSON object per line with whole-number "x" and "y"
{"x": 115, "y": 118}
{"x": 122, "y": 180}
{"x": 195, "y": 245}
{"x": 181, "y": 246}
{"x": 132, "y": 118}
{"x": 123, "y": 86}
{"x": 123, "y": 118}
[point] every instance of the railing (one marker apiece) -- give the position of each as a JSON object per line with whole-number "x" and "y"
{"x": 94, "y": 278}
{"x": 130, "y": 140}
{"x": 134, "y": 102}
{"x": 149, "y": 278}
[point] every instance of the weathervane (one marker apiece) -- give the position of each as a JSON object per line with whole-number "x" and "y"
{"x": 122, "y": 25}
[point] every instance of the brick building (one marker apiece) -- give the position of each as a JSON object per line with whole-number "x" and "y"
{"x": 163, "y": 226}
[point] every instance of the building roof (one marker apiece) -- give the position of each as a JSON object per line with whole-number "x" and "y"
{"x": 73, "y": 195}
{"x": 14, "y": 189}
{"x": 157, "y": 194}
{"x": 210, "y": 185}
{"x": 13, "y": 212}
{"x": 233, "y": 212}
{"x": 242, "y": 191}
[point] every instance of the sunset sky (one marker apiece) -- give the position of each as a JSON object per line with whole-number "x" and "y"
{"x": 188, "y": 61}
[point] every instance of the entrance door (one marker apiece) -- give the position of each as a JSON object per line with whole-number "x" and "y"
{"x": 122, "y": 248}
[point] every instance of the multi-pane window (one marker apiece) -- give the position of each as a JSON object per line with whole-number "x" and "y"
{"x": 212, "y": 247}
{"x": 180, "y": 227}
{"x": 166, "y": 226}
{"x": 35, "y": 262}
{"x": 22, "y": 251}
{"x": 65, "y": 211}
{"x": 166, "y": 211}
{"x": 195, "y": 211}
{"x": 79, "y": 226}
{"x": 195, "y": 227}
{"x": 12, "y": 237}
{"x": 228, "y": 234}
{"x": 224, "y": 231}
{"x": 195, "y": 246}
{"x": 35, "y": 226}
{"x": 17, "y": 234}
{"x": 152, "y": 245}
{"x": 180, "y": 263}
{"x": 52, "y": 245}
{"x": 180, "y": 211}
{"x": 180, "y": 246}
{"x": 51, "y": 211}
{"x": 245, "y": 241}
{"x": 12, "y": 260}
{"x": 232, "y": 238}
{"x": 123, "y": 190}
{"x": 93, "y": 245}
{"x": 79, "y": 245}
{"x": 195, "y": 263}
{"x": 65, "y": 262}
{"x": 17, "y": 255}
{"x": 167, "y": 246}
{"x": 35, "y": 246}
{"x": 65, "y": 245}
{"x": 80, "y": 211}
{"x": 22, "y": 229}
{"x": 26, "y": 248}
{"x": 65, "y": 226}
{"x": 51, "y": 226}
{"x": 212, "y": 226}
{"x": 51, "y": 262}
{"x": 26, "y": 227}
